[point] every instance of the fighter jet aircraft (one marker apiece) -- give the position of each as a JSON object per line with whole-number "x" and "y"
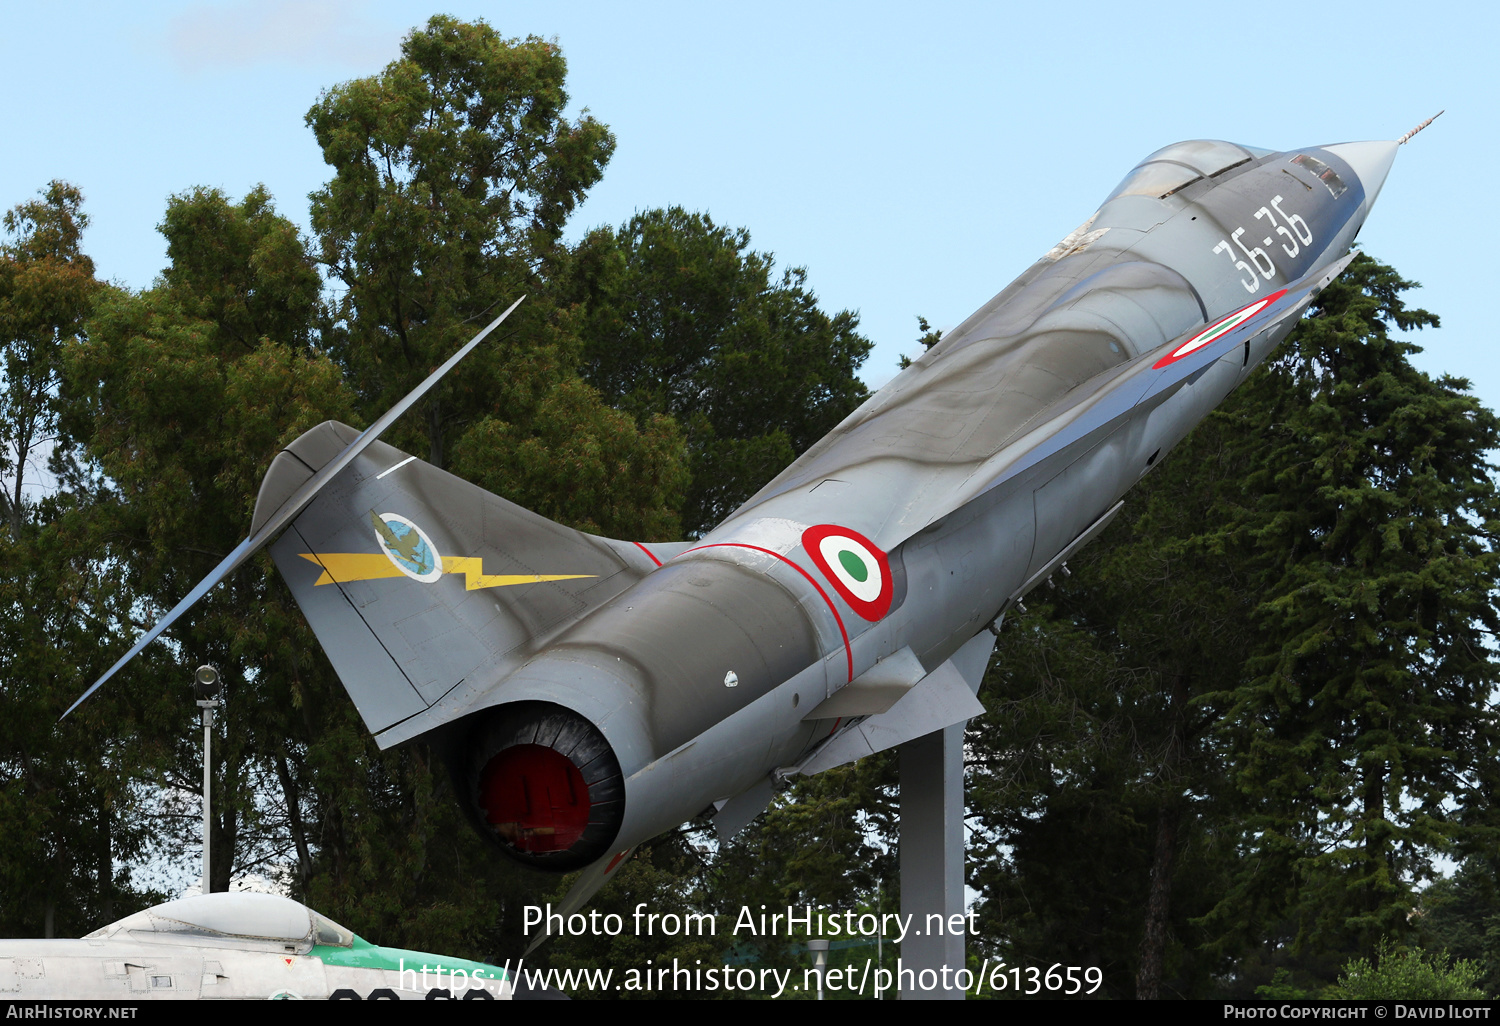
{"x": 590, "y": 693}
{"x": 239, "y": 945}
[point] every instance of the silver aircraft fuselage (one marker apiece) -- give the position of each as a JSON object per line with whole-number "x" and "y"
{"x": 590, "y": 693}
{"x": 885, "y": 550}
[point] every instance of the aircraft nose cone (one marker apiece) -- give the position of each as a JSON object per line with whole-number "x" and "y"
{"x": 1371, "y": 161}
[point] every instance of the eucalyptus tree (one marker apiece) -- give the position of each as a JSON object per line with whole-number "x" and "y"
{"x": 181, "y": 395}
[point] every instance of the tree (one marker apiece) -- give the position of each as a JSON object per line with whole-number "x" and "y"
{"x": 183, "y": 403}
{"x": 681, "y": 317}
{"x": 930, "y": 337}
{"x": 183, "y": 394}
{"x": 65, "y": 792}
{"x": 1414, "y": 975}
{"x": 454, "y": 172}
{"x": 47, "y": 288}
{"x": 1363, "y": 728}
{"x": 1460, "y": 914}
{"x": 1237, "y": 728}
{"x": 1095, "y": 778}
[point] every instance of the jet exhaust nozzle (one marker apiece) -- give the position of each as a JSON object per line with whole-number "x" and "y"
{"x": 544, "y": 785}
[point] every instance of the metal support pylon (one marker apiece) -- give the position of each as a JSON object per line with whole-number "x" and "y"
{"x": 932, "y": 864}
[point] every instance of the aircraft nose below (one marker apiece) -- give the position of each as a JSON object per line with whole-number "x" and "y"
{"x": 1371, "y": 161}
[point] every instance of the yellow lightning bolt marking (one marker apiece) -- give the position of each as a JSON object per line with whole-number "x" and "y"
{"x": 472, "y": 567}
{"x": 339, "y": 567}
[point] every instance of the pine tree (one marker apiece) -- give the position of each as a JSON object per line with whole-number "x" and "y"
{"x": 1260, "y": 707}
{"x": 1363, "y": 730}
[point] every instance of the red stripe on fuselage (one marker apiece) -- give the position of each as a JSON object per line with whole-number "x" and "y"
{"x": 848, "y": 652}
{"x": 648, "y": 553}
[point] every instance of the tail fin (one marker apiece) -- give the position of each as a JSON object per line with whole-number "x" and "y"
{"x": 416, "y": 581}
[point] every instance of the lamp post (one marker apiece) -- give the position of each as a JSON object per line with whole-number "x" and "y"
{"x": 206, "y": 686}
{"x": 819, "y": 949}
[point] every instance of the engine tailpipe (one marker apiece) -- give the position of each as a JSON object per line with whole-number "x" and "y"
{"x": 543, "y": 785}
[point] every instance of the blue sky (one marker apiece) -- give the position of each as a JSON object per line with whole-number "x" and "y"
{"x": 913, "y": 162}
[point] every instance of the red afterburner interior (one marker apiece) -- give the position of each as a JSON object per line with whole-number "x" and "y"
{"x": 535, "y": 798}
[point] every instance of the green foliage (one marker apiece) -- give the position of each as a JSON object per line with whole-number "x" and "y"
{"x": 930, "y": 337}
{"x": 47, "y": 289}
{"x": 242, "y": 268}
{"x": 1281, "y": 988}
{"x": 681, "y": 317}
{"x": 828, "y": 840}
{"x": 581, "y": 463}
{"x": 1243, "y": 728}
{"x": 66, "y": 793}
{"x": 1460, "y": 914}
{"x": 181, "y": 401}
{"x": 1414, "y": 975}
{"x": 1367, "y": 531}
{"x": 454, "y": 171}
{"x": 1097, "y": 771}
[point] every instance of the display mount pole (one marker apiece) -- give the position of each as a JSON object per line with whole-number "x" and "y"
{"x": 932, "y": 864}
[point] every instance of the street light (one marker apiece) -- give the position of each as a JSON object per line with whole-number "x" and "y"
{"x": 206, "y": 686}
{"x": 819, "y": 949}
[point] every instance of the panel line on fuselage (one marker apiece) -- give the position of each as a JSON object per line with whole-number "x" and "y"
{"x": 848, "y": 652}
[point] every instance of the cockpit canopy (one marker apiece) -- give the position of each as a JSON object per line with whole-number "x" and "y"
{"x": 241, "y": 919}
{"x": 1174, "y": 167}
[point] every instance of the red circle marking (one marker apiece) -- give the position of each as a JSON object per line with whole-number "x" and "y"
{"x": 871, "y": 609}
{"x": 1217, "y": 329}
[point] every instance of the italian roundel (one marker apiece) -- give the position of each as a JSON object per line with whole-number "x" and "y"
{"x": 854, "y": 566}
{"x": 1217, "y": 330}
